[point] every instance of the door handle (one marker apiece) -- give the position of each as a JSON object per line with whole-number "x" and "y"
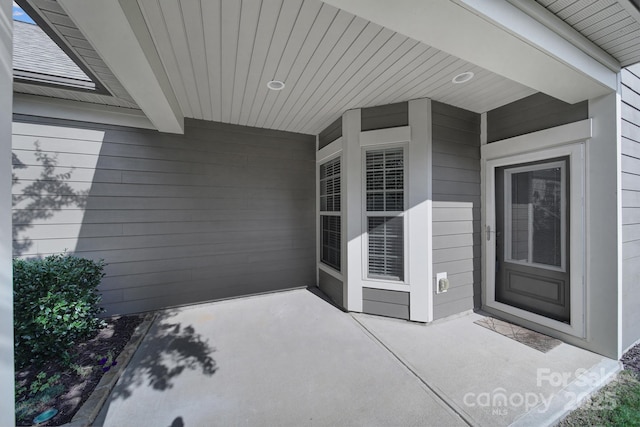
{"x": 489, "y": 231}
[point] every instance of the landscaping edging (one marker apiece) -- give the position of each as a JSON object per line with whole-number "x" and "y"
{"x": 92, "y": 406}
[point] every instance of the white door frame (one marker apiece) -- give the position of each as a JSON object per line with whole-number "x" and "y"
{"x": 567, "y": 140}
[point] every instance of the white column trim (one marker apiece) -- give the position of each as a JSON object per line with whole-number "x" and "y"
{"x": 419, "y": 215}
{"x": 7, "y": 415}
{"x": 352, "y": 210}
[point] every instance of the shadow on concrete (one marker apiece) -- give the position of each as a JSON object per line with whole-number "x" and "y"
{"x": 41, "y": 197}
{"x": 168, "y": 350}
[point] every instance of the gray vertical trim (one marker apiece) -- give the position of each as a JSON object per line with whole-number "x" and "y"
{"x": 530, "y": 114}
{"x": 332, "y": 287}
{"x": 330, "y": 134}
{"x": 6, "y": 270}
{"x": 456, "y": 207}
{"x": 221, "y": 211}
{"x": 385, "y": 116}
{"x": 630, "y": 205}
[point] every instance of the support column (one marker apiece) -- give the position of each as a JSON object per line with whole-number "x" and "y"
{"x": 420, "y": 212}
{"x": 7, "y": 408}
{"x": 604, "y": 222}
{"x": 352, "y": 209}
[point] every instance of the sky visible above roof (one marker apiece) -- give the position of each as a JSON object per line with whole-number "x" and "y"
{"x": 20, "y": 15}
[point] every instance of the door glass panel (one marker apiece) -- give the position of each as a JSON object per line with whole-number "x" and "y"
{"x": 536, "y": 212}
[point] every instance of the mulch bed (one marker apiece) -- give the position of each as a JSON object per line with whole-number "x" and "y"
{"x": 631, "y": 359}
{"x": 90, "y": 360}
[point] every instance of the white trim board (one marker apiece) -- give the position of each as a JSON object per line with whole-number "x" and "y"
{"x": 118, "y": 32}
{"x": 33, "y": 105}
{"x": 385, "y": 136}
{"x": 327, "y": 153}
{"x": 460, "y": 27}
{"x": 329, "y": 150}
{"x": 535, "y": 141}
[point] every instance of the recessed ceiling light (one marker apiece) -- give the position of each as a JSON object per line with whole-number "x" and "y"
{"x": 275, "y": 85}
{"x": 462, "y": 77}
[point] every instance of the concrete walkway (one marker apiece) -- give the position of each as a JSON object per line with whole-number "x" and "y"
{"x": 291, "y": 358}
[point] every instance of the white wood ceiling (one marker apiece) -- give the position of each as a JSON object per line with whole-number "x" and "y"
{"x": 219, "y": 55}
{"x": 605, "y": 22}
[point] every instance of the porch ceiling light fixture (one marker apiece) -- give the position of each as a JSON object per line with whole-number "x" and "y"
{"x": 275, "y": 85}
{"x": 462, "y": 77}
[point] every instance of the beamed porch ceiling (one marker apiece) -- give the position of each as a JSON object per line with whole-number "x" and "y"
{"x": 220, "y": 55}
{"x": 212, "y": 59}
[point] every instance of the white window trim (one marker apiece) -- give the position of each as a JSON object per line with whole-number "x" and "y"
{"x": 325, "y": 154}
{"x": 568, "y": 140}
{"x": 382, "y": 283}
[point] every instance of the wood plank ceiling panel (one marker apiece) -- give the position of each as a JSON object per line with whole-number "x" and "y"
{"x": 192, "y": 13}
{"x": 311, "y": 109}
{"x": 249, "y": 17}
{"x": 342, "y": 33}
{"x": 291, "y": 68}
{"x": 408, "y": 50}
{"x": 605, "y": 22}
{"x": 212, "y": 15}
{"x": 343, "y": 75}
{"x": 230, "y": 26}
{"x": 293, "y": 15}
{"x": 265, "y": 36}
{"x": 219, "y": 55}
{"x": 157, "y": 28}
{"x": 175, "y": 25}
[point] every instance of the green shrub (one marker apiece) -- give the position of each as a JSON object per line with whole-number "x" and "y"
{"x": 55, "y": 304}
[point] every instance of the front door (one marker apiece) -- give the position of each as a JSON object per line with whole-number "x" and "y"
{"x": 532, "y": 237}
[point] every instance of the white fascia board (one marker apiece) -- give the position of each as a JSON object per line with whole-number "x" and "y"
{"x": 41, "y": 106}
{"x": 497, "y": 36}
{"x": 567, "y": 32}
{"x": 119, "y": 34}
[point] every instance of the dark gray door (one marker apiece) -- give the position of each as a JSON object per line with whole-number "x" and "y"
{"x": 532, "y": 237}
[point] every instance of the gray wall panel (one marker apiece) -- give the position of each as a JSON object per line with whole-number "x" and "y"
{"x": 631, "y": 208}
{"x": 385, "y": 303}
{"x": 456, "y": 207}
{"x": 530, "y": 114}
{"x": 220, "y": 211}
{"x": 330, "y": 134}
{"x": 331, "y": 286}
{"x": 385, "y": 116}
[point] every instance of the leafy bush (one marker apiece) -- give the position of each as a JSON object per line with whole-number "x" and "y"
{"x": 55, "y": 305}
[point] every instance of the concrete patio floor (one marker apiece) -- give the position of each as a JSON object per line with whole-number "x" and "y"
{"x": 290, "y": 358}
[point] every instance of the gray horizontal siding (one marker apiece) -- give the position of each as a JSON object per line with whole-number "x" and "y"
{"x": 332, "y": 287}
{"x": 330, "y": 134}
{"x": 456, "y": 207}
{"x": 384, "y": 116}
{"x": 385, "y": 303}
{"x": 218, "y": 212}
{"x": 531, "y": 114}
{"x": 630, "y": 206}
